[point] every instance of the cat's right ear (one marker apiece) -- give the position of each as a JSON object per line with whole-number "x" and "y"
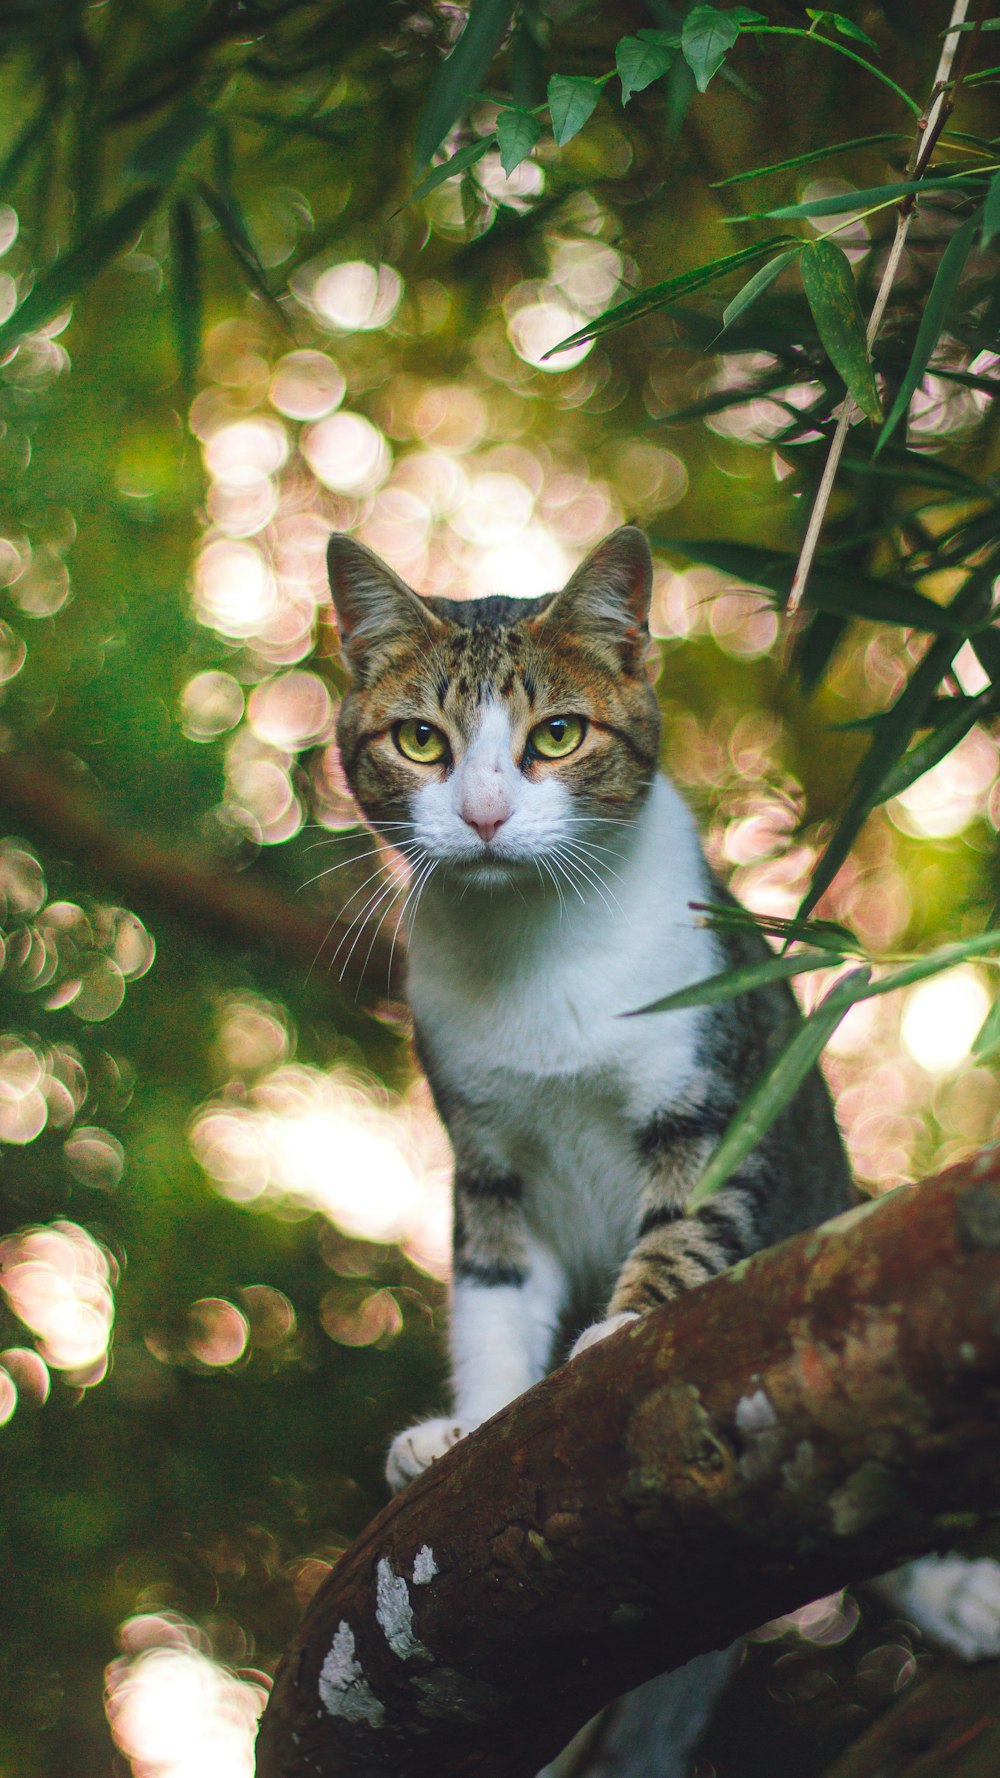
{"x": 372, "y": 604}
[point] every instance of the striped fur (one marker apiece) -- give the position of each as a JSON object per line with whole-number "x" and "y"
{"x": 552, "y": 897}
{"x": 578, "y": 1135}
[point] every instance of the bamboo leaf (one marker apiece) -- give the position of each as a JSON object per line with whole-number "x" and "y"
{"x": 932, "y": 321}
{"x": 842, "y": 201}
{"x": 641, "y": 60}
{"x": 730, "y": 983}
{"x": 988, "y": 1036}
{"x": 991, "y": 212}
{"x": 893, "y": 735}
{"x": 458, "y": 77}
{"x": 778, "y": 1085}
{"x": 917, "y": 469}
{"x": 755, "y": 287}
{"x": 982, "y": 944}
{"x": 731, "y": 916}
{"x": 75, "y": 270}
{"x": 937, "y": 745}
{"x": 812, "y": 154}
{"x": 572, "y": 99}
{"x": 659, "y": 295}
{"x": 845, "y": 27}
{"x": 830, "y": 290}
{"x": 517, "y": 133}
{"x": 158, "y": 156}
{"x": 185, "y": 291}
{"x": 838, "y": 590}
{"x": 236, "y": 235}
{"x": 459, "y": 162}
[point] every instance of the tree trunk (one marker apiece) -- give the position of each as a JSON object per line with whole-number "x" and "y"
{"x": 810, "y": 1418}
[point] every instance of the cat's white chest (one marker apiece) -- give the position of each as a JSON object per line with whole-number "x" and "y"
{"x": 526, "y": 1008}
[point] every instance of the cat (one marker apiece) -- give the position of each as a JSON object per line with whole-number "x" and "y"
{"x": 509, "y": 748}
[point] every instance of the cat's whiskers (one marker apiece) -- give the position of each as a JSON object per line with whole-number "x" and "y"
{"x": 364, "y": 913}
{"x": 588, "y": 874}
{"x": 384, "y": 892}
{"x": 417, "y": 888}
{"x": 358, "y": 858}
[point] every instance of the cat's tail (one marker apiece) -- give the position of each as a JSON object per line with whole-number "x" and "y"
{"x": 651, "y": 1732}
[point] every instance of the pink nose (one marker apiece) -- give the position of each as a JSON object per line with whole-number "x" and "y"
{"x": 486, "y": 828}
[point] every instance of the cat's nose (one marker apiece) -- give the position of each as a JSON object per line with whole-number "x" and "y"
{"x": 486, "y": 818}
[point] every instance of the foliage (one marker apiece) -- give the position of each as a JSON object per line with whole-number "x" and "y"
{"x": 695, "y": 251}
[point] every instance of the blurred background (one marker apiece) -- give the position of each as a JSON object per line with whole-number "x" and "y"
{"x": 224, "y": 1200}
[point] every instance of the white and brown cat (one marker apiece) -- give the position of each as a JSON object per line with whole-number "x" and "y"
{"x": 509, "y": 748}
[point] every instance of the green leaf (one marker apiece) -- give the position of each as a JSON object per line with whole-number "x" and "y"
{"x": 158, "y": 156}
{"x": 641, "y": 60}
{"x": 812, "y": 154}
{"x": 755, "y": 287}
{"x": 829, "y": 286}
{"x": 70, "y": 274}
{"x": 236, "y": 235}
{"x": 982, "y": 944}
{"x": 572, "y": 99}
{"x": 991, "y": 212}
{"x": 458, "y": 77}
{"x": 659, "y": 295}
{"x": 185, "y": 291}
{"x": 988, "y": 1036}
{"x": 459, "y": 162}
{"x": 707, "y": 35}
{"x": 24, "y": 145}
{"x": 839, "y": 590}
{"x": 778, "y": 1085}
{"x": 938, "y": 744}
{"x": 898, "y": 726}
{"x": 517, "y": 133}
{"x": 932, "y": 321}
{"x": 917, "y": 469}
{"x": 864, "y": 199}
{"x": 731, "y": 916}
{"x": 846, "y": 27}
{"x": 742, "y": 980}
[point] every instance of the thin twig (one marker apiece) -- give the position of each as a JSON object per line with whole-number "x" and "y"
{"x": 928, "y": 130}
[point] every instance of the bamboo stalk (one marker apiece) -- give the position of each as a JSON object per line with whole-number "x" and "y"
{"x": 928, "y": 130}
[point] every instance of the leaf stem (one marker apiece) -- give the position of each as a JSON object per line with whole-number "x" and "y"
{"x": 839, "y": 49}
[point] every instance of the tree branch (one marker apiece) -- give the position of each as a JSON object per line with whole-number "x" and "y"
{"x": 810, "y": 1418}
{"x": 235, "y": 907}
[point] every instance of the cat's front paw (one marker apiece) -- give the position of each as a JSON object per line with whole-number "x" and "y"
{"x": 414, "y": 1450}
{"x": 600, "y": 1331}
{"x": 954, "y": 1600}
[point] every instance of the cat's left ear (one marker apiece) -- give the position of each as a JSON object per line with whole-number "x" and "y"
{"x": 610, "y": 592}
{"x": 372, "y": 604}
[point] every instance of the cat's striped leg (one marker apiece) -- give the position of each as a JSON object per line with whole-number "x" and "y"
{"x": 674, "y": 1251}
{"x": 507, "y": 1298}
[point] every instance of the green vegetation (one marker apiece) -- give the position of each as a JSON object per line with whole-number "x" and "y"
{"x": 274, "y": 269}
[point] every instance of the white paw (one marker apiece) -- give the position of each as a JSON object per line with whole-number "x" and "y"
{"x": 414, "y": 1450}
{"x": 954, "y": 1601}
{"x": 601, "y": 1330}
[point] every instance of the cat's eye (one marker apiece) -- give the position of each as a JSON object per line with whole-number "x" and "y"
{"x": 420, "y": 741}
{"x": 557, "y": 736}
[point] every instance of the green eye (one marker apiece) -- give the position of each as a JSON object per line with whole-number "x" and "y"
{"x": 557, "y": 736}
{"x": 420, "y": 741}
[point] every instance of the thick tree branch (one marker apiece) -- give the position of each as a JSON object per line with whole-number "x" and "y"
{"x": 235, "y": 907}
{"x": 809, "y": 1419}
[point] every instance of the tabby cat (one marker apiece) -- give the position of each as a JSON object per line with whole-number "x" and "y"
{"x": 509, "y": 749}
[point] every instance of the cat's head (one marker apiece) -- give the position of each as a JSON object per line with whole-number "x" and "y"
{"x": 494, "y": 729}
